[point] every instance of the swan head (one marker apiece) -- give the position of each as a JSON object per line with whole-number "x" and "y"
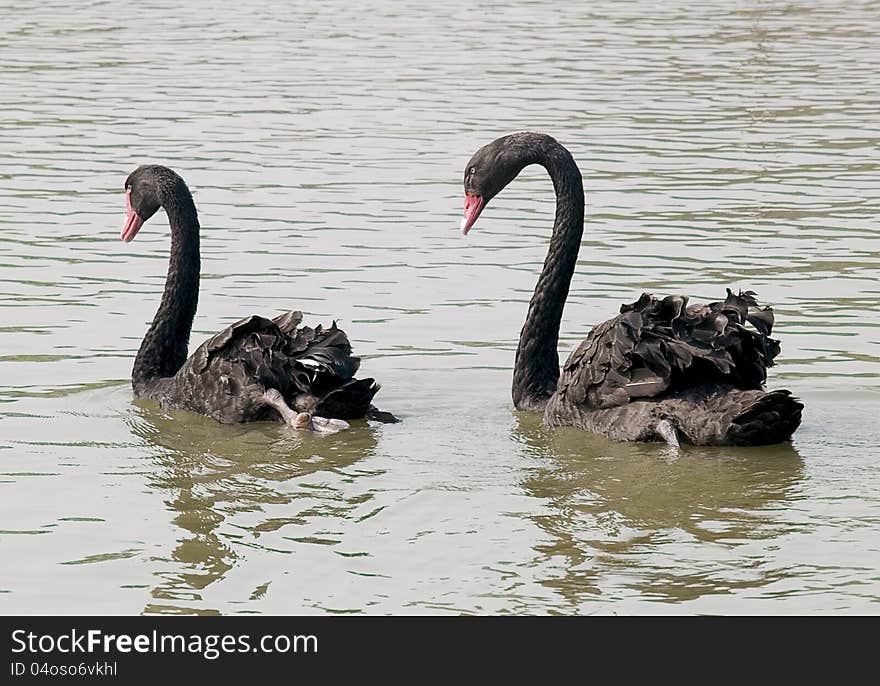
{"x": 494, "y": 166}
{"x": 146, "y": 190}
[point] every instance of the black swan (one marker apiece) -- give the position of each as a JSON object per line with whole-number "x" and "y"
{"x": 257, "y": 368}
{"x": 663, "y": 369}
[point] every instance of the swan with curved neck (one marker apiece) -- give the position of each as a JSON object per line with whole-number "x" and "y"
{"x": 536, "y": 369}
{"x": 165, "y": 346}
{"x": 255, "y": 369}
{"x": 663, "y": 369}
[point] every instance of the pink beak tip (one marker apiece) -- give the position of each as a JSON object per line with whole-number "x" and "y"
{"x": 133, "y": 222}
{"x": 473, "y": 206}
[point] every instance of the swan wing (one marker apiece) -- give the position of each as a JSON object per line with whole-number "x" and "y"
{"x": 658, "y": 345}
{"x": 256, "y": 339}
{"x": 232, "y": 337}
{"x": 312, "y": 367}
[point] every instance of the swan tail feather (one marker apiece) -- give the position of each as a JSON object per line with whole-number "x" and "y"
{"x": 772, "y": 418}
{"x": 352, "y": 400}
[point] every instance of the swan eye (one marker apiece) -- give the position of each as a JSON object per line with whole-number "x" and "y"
{"x": 472, "y": 170}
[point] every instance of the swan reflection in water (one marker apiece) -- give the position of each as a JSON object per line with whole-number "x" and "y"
{"x": 664, "y": 526}
{"x": 231, "y": 487}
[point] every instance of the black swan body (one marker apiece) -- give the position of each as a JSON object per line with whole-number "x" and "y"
{"x": 255, "y": 369}
{"x": 663, "y": 369}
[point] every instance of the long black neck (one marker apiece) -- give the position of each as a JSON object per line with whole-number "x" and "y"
{"x": 164, "y": 348}
{"x": 536, "y": 370}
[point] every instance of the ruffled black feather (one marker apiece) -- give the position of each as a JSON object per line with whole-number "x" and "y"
{"x": 700, "y": 367}
{"x": 662, "y": 345}
{"x": 313, "y": 369}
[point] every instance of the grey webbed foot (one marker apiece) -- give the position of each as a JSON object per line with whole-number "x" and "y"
{"x": 666, "y": 430}
{"x": 319, "y": 425}
{"x": 302, "y": 421}
{"x": 273, "y": 398}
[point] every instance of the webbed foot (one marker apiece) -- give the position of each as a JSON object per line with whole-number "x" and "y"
{"x": 273, "y": 398}
{"x": 304, "y": 421}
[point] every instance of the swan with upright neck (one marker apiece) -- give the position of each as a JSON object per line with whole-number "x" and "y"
{"x": 663, "y": 369}
{"x": 255, "y": 369}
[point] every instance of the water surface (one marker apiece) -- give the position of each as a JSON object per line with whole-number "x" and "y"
{"x": 721, "y": 145}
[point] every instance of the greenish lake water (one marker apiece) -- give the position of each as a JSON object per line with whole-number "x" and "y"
{"x": 721, "y": 145}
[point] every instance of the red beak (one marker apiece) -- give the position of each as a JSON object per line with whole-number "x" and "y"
{"x": 473, "y": 205}
{"x": 133, "y": 223}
